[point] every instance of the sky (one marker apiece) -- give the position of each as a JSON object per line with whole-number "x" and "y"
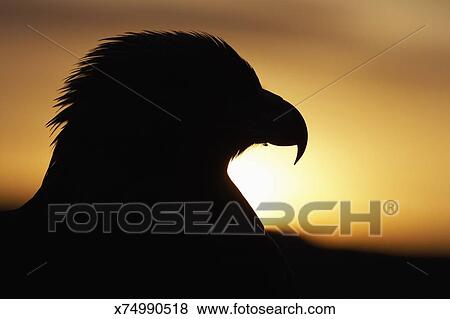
{"x": 378, "y": 125}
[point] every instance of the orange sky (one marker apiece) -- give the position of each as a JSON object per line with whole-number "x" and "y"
{"x": 380, "y": 133}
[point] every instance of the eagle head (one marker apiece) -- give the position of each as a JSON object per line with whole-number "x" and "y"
{"x": 141, "y": 96}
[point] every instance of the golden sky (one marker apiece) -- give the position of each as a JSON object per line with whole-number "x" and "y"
{"x": 382, "y": 132}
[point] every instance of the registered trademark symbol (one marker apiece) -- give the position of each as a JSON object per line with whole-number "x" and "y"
{"x": 390, "y": 207}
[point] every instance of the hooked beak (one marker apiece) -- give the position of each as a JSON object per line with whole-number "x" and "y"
{"x": 287, "y": 126}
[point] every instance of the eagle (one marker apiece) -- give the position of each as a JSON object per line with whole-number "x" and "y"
{"x": 153, "y": 117}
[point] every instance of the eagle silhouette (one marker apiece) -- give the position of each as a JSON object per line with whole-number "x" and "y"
{"x": 152, "y": 117}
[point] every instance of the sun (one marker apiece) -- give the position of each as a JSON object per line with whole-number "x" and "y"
{"x": 253, "y": 176}
{"x": 265, "y": 173}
